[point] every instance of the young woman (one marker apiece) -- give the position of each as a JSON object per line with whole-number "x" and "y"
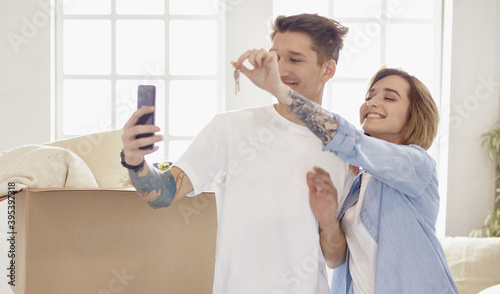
{"x": 389, "y": 216}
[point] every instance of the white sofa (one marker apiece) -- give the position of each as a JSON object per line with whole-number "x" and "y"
{"x": 101, "y": 153}
{"x": 474, "y": 263}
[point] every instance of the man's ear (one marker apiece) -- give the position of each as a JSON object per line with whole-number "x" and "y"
{"x": 331, "y": 67}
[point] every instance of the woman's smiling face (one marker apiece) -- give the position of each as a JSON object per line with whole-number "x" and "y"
{"x": 385, "y": 111}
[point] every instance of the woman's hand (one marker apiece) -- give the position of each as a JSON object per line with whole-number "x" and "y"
{"x": 322, "y": 197}
{"x": 134, "y": 155}
{"x": 324, "y": 204}
{"x": 265, "y": 73}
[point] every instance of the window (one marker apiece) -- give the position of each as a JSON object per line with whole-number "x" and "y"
{"x": 106, "y": 48}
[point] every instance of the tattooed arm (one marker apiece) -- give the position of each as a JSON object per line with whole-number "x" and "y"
{"x": 321, "y": 122}
{"x": 160, "y": 189}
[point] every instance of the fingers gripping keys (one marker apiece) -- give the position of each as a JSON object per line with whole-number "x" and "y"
{"x": 236, "y": 81}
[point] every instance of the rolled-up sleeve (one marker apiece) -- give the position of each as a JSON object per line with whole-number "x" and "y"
{"x": 345, "y": 139}
{"x": 407, "y": 168}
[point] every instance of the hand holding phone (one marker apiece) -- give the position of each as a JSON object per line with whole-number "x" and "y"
{"x": 146, "y": 96}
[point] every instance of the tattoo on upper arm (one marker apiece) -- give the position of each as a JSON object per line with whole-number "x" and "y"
{"x": 178, "y": 181}
{"x": 321, "y": 122}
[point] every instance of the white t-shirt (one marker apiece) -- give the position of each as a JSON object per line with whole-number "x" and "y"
{"x": 362, "y": 247}
{"x": 267, "y": 239}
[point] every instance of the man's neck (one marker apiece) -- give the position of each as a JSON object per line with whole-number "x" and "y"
{"x": 285, "y": 112}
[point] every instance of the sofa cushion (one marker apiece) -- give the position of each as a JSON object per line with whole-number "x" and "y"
{"x": 491, "y": 290}
{"x": 101, "y": 152}
{"x": 474, "y": 262}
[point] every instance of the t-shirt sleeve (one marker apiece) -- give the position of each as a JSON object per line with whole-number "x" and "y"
{"x": 407, "y": 168}
{"x": 205, "y": 160}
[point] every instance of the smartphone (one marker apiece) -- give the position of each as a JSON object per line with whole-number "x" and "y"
{"x": 146, "y": 96}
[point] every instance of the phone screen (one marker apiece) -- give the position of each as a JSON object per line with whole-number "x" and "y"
{"x": 146, "y": 96}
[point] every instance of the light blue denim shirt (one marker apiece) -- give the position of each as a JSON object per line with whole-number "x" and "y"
{"x": 399, "y": 211}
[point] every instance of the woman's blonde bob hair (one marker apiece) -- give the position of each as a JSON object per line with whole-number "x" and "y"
{"x": 423, "y": 116}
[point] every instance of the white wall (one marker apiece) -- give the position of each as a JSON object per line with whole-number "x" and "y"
{"x": 24, "y": 74}
{"x": 474, "y": 101}
{"x": 24, "y": 89}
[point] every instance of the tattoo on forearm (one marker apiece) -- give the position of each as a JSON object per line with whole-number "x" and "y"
{"x": 321, "y": 122}
{"x": 157, "y": 188}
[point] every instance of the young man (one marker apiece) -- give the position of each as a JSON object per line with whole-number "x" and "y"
{"x": 257, "y": 159}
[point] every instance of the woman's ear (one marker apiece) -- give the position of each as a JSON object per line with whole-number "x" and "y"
{"x": 331, "y": 67}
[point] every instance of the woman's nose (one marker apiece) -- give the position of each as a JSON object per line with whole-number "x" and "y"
{"x": 373, "y": 102}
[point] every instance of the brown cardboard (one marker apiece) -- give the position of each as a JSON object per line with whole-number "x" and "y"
{"x": 111, "y": 241}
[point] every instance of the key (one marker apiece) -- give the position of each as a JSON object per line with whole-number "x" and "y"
{"x": 236, "y": 81}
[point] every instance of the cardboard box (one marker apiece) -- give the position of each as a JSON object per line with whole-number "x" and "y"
{"x": 111, "y": 241}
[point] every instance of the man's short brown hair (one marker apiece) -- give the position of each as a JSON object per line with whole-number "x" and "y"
{"x": 326, "y": 34}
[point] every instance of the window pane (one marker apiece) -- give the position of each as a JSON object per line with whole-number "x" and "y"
{"x": 86, "y": 106}
{"x": 176, "y": 149}
{"x": 87, "y": 47}
{"x": 140, "y": 47}
{"x": 192, "y": 105}
{"x": 360, "y": 57}
{"x": 357, "y": 8}
{"x": 347, "y": 99}
{"x": 195, "y": 7}
{"x": 411, "y": 47}
{"x": 433, "y": 88}
{"x": 126, "y": 100}
{"x": 410, "y": 8}
{"x": 134, "y": 7}
{"x": 157, "y": 156}
{"x": 287, "y": 7}
{"x": 86, "y": 7}
{"x": 193, "y": 47}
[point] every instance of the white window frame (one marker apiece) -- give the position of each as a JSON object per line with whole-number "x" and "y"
{"x": 219, "y": 77}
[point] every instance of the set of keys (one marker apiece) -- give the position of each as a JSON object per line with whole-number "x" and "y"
{"x": 236, "y": 81}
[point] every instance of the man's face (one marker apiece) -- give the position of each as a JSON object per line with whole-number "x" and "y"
{"x": 298, "y": 65}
